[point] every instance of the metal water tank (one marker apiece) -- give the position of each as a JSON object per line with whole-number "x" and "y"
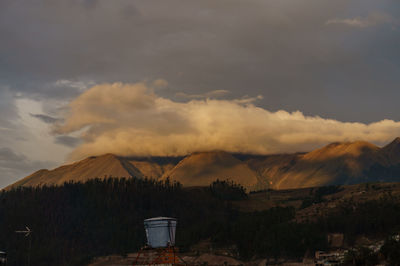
{"x": 160, "y": 231}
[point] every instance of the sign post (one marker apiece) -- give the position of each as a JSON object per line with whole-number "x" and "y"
{"x": 27, "y": 233}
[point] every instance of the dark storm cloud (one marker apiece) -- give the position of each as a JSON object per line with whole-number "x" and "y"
{"x": 292, "y": 52}
{"x": 68, "y": 141}
{"x": 45, "y": 118}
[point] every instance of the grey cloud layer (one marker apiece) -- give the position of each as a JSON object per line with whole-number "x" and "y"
{"x": 9, "y": 128}
{"x": 281, "y": 49}
{"x": 14, "y": 166}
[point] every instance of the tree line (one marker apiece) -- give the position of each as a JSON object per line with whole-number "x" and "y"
{"x": 76, "y": 222}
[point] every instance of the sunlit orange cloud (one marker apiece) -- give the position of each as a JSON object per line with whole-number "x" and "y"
{"x": 132, "y": 120}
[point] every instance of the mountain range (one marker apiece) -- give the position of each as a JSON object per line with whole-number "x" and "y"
{"x": 336, "y": 163}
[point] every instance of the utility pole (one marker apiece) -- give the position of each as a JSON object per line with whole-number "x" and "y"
{"x": 27, "y": 233}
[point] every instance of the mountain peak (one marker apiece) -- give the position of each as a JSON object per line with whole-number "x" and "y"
{"x": 202, "y": 168}
{"x": 392, "y": 151}
{"x": 396, "y": 141}
{"x": 395, "y": 144}
{"x": 338, "y": 149}
{"x": 107, "y": 165}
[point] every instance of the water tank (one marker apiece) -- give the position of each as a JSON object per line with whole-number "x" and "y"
{"x": 160, "y": 231}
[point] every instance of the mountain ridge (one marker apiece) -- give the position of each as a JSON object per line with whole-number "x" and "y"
{"x": 333, "y": 164}
{"x": 92, "y": 167}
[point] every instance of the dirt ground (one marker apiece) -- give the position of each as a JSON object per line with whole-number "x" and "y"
{"x": 204, "y": 259}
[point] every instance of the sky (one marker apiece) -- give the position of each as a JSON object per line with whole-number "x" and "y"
{"x": 147, "y": 77}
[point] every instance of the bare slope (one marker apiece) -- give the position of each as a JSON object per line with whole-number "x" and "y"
{"x": 336, "y": 163}
{"x": 391, "y": 152}
{"x": 154, "y": 167}
{"x": 89, "y": 168}
{"x": 201, "y": 169}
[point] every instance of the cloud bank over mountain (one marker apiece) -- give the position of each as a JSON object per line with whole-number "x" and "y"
{"x": 132, "y": 119}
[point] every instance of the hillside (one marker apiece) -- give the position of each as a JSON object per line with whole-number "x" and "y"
{"x": 391, "y": 152}
{"x": 154, "y": 167}
{"x": 107, "y": 165}
{"x": 203, "y": 168}
{"x": 103, "y": 217}
{"x": 336, "y": 163}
